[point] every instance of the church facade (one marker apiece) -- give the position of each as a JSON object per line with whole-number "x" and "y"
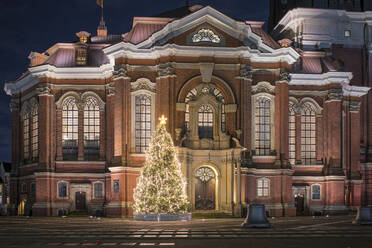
{"x": 250, "y": 124}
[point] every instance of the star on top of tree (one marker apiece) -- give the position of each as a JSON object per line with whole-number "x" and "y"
{"x": 163, "y": 120}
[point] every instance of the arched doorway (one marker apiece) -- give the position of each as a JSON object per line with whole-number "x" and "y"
{"x": 205, "y": 189}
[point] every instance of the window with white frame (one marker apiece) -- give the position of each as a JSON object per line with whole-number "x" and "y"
{"x": 205, "y": 120}
{"x": 26, "y": 136}
{"x": 263, "y": 187}
{"x": 315, "y": 192}
{"x": 292, "y": 134}
{"x": 98, "y": 190}
{"x": 91, "y": 129}
{"x": 35, "y": 132}
{"x": 262, "y": 126}
{"x": 70, "y": 128}
{"x": 62, "y": 189}
{"x": 142, "y": 122}
{"x": 308, "y": 134}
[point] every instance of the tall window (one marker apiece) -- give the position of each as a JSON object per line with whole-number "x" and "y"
{"x": 143, "y": 122}
{"x": 116, "y": 186}
{"x": 315, "y": 192}
{"x": 205, "y": 118}
{"x": 91, "y": 129}
{"x": 98, "y": 190}
{"x": 26, "y": 136}
{"x": 292, "y": 134}
{"x": 262, "y": 126}
{"x": 263, "y": 187}
{"x": 35, "y": 133}
{"x": 62, "y": 189}
{"x": 69, "y": 129}
{"x": 308, "y": 134}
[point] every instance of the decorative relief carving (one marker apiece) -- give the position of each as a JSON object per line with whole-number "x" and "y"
{"x": 246, "y": 71}
{"x": 143, "y": 84}
{"x": 44, "y": 89}
{"x": 165, "y": 69}
{"x": 120, "y": 70}
{"x": 14, "y": 105}
{"x": 334, "y": 95}
{"x": 206, "y": 35}
{"x": 110, "y": 89}
{"x": 263, "y": 87}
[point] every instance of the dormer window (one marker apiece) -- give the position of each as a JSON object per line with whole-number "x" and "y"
{"x": 81, "y": 56}
{"x": 206, "y": 35}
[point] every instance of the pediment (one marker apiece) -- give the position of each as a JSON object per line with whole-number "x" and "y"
{"x": 203, "y": 25}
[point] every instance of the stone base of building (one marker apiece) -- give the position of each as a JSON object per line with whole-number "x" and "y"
{"x": 162, "y": 217}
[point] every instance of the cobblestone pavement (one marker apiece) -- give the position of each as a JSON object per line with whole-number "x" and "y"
{"x": 335, "y": 231}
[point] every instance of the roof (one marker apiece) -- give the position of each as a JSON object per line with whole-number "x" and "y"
{"x": 266, "y": 38}
{"x": 141, "y": 32}
{"x": 64, "y": 56}
{"x": 317, "y": 62}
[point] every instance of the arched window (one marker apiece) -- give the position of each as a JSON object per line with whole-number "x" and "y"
{"x": 69, "y": 129}
{"x": 315, "y": 192}
{"x": 62, "y": 189}
{"x": 262, "y": 126}
{"x": 214, "y": 92}
{"x": 308, "y": 134}
{"x": 263, "y": 187}
{"x": 91, "y": 129}
{"x": 143, "y": 122}
{"x": 26, "y": 136}
{"x": 292, "y": 134}
{"x": 35, "y": 132}
{"x": 205, "y": 118}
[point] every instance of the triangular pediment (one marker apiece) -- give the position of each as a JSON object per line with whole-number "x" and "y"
{"x": 206, "y": 27}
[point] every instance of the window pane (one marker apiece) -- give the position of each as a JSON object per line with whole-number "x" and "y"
{"x": 262, "y": 126}
{"x": 142, "y": 122}
{"x": 308, "y": 134}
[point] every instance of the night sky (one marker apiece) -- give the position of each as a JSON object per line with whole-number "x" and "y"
{"x": 35, "y": 25}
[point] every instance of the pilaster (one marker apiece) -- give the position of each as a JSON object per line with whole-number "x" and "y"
{"x": 46, "y": 127}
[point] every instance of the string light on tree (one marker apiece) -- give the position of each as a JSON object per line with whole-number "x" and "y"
{"x": 161, "y": 187}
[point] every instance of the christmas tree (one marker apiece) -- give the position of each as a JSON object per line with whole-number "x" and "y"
{"x": 161, "y": 188}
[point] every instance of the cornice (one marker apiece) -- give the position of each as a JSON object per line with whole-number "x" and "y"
{"x": 341, "y": 78}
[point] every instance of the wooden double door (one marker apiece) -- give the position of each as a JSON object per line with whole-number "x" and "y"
{"x": 80, "y": 201}
{"x": 205, "y": 189}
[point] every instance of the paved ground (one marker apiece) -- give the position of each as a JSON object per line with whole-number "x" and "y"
{"x": 335, "y": 231}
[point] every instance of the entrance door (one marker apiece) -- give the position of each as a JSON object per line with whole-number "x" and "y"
{"x": 300, "y": 203}
{"x": 80, "y": 201}
{"x": 299, "y": 199}
{"x": 205, "y": 188}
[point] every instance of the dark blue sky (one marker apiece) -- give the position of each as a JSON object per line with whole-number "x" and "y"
{"x": 35, "y": 25}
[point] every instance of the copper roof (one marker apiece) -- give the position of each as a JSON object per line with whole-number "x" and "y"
{"x": 141, "y": 32}
{"x": 65, "y": 57}
{"x": 266, "y": 38}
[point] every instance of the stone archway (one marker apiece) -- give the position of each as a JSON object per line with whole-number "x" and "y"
{"x": 205, "y": 189}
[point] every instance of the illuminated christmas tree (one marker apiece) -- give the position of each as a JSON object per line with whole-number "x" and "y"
{"x": 161, "y": 188}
